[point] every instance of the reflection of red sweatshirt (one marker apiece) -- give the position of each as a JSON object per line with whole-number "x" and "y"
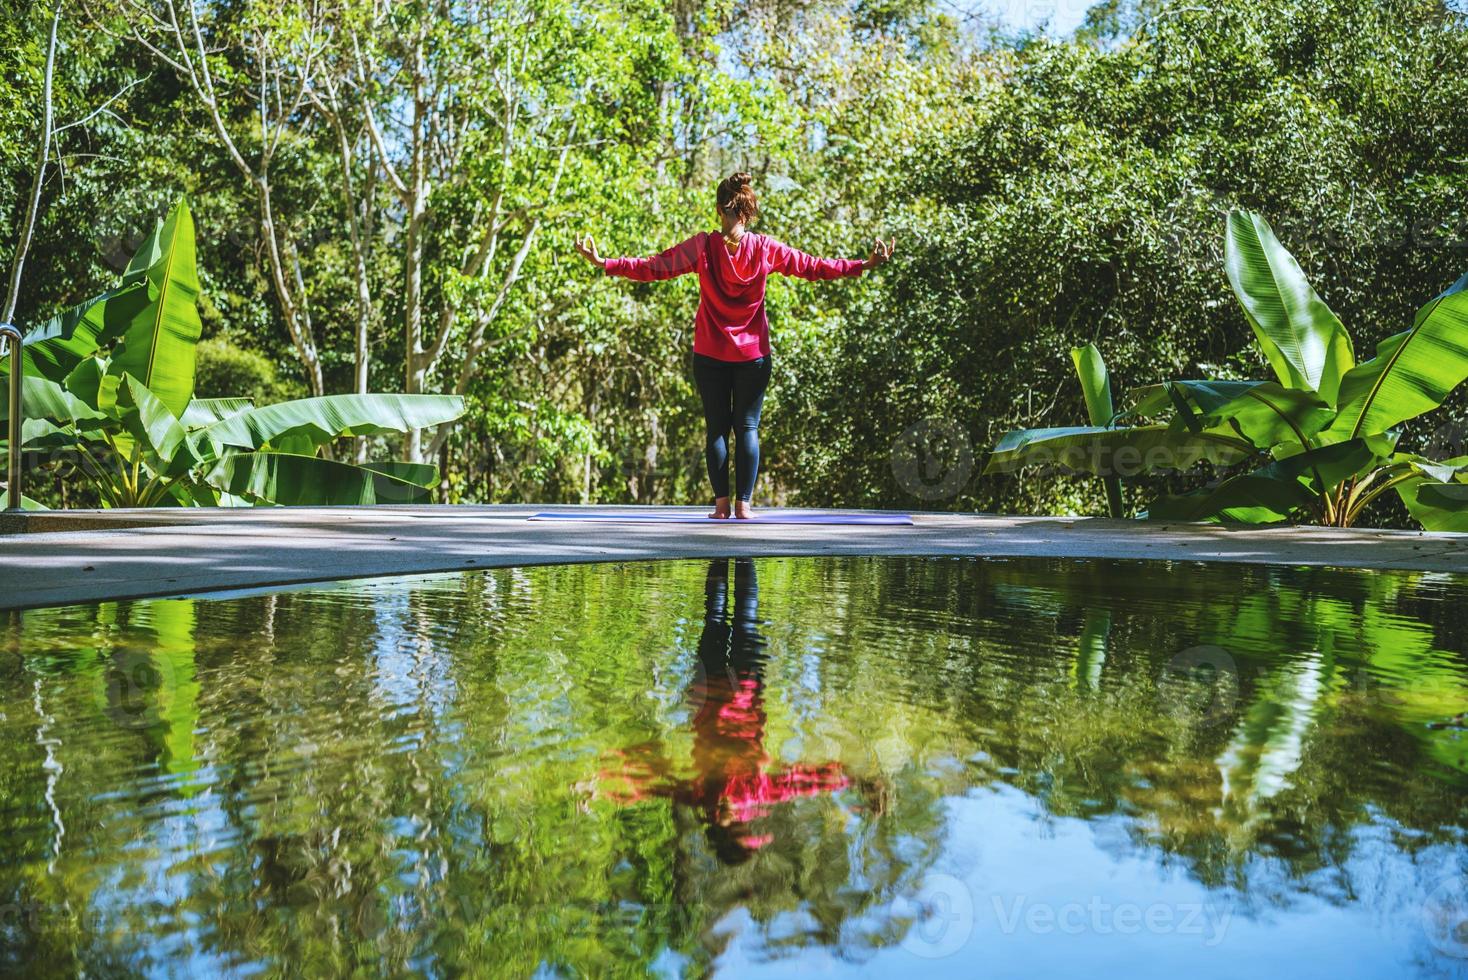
{"x": 730, "y": 748}
{"x": 731, "y": 323}
{"x": 734, "y": 783}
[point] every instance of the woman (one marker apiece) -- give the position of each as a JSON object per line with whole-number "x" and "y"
{"x": 731, "y": 335}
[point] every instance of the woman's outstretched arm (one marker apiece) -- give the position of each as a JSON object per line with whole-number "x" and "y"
{"x": 676, "y": 261}
{"x": 793, "y": 262}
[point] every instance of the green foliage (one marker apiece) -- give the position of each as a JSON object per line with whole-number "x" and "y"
{"x": 1096, "y": 387}
{"x": 1302, "y": 339}
{"x": 225, "y": 368}
{"x": 1327, "y": 429}
{"x": 1081, "y": 198}
{"x": 1045, "y": 193}
{"x": 147, "y": 446}
{"x": 157, "y": 347}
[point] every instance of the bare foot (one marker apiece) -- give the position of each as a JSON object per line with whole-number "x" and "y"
{"x": 721, "y": 509}
{"x": 743, "y": 511}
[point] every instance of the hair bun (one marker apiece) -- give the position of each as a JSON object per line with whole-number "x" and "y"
{"x": 735, "y": 196}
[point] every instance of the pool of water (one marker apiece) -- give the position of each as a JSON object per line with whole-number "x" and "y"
{"x": 778, "y": 767}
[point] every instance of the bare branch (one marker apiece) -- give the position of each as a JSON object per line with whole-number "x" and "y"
{"x": 28, "y": 226}
{"x": 383, "y": 160}
{"x": 103, "y": 108}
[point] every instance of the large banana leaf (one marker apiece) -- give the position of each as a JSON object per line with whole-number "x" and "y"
{"x": 1384, "y": 444}
{"x": 1273, "y": 492}
{"x": 418, "y": 474}
{"x": 1436, "y": 506}
{"x": 147, "y": 255}
{"x": 203, "y": 412}
{"x": 1441, "y": 470}
{"x": 1124, "y": 451}
{"x": 159, "y": 346}
{"x": 1096, "y": 387}
{"x": 1095, "y": 383}
{"x": 316, "y": 421}
{"x": 90, "y": 382}
{"x": 45, "y": 399}
{"x": 1264, "y": 412}
{"x": 1412, "y": 371}
{"x": 163, "y": 439}
{"x": 42, "y": 434}
{"x": 292, "y": 480}
{"x": 54, "y": 348}
{"x": 1303, "y": 340}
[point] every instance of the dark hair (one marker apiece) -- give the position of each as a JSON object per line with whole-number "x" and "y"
{"x": 737, "y": 197}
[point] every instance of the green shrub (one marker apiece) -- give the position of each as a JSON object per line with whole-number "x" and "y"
{"x": 226, "y": 370}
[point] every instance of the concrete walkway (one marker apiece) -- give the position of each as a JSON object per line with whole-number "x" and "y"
{"x": 78, "y": 556}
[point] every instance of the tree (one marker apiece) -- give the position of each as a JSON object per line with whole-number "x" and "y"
{"x": 490, "y": 91}
{"x": 250, "y": 69}
{"x": 1323, "y": 435}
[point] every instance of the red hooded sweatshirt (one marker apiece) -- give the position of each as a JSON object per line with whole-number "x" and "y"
{"x": 731, "y": 323}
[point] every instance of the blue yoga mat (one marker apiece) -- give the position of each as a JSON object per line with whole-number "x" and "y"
{"x": 774, "y": 517}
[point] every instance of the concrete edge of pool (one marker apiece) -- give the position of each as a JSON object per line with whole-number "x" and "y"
{"x": 87, "y": 556}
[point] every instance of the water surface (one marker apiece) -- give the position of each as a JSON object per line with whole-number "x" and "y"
{"x": 858, "y": 766}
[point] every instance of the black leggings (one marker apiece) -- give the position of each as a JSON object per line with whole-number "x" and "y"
{"x": 733, "y": 393}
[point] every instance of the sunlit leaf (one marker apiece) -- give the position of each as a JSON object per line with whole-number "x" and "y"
{"x": 1303, "y": 340}
{"x": 1412, "y": 371}
{"x": 159, "y": 346}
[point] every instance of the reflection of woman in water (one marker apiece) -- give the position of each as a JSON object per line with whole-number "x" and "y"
{"x": 733, "y": 783}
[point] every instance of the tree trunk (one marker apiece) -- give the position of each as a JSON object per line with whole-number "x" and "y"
{"x": 296, "y": 323}
{"x": 415, "y": 359}
{"x": 361, "y": 230}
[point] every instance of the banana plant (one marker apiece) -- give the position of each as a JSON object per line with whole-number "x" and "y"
{"x": 112, "y": 380}
{"x": 1083, "y": 448}
{"x": 1107, "y": 449}
{"x": 1096, "y": 387}
{"x": 1317, "y": 443}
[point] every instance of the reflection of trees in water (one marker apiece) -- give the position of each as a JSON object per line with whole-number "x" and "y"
{"x": 374, "y": 777}
{"x": 1263, "y": 793}
{"x": 736, "y": 804}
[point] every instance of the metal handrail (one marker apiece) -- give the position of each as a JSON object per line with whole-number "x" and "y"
{"x": 12, "y": 335}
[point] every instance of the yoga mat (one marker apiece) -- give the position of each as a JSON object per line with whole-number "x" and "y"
{"x": 776, "y": 517}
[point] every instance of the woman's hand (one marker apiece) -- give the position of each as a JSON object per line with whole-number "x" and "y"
{"x": 587, "y": 247}
{"x": 881, "y": 252}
